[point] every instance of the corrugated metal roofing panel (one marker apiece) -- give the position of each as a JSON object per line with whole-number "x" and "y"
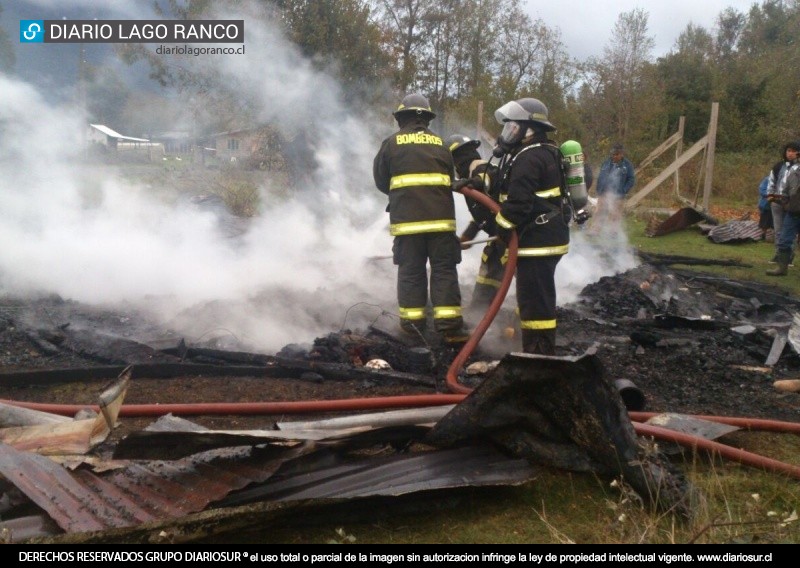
{"x": 82, "y": 501}
{"x": 393, "y": 475}
{"x": 143, "y": 492}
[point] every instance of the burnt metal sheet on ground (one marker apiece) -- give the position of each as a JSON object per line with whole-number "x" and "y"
{"x": 83, "y": 501}
{"x": 793, "y": 335}
{"x": 395, "y": 475}
{"x": 681, "y": 219}
{"x": 71, "y": 437}
{"x": 775, "y": 352}
{"x": 692, "y": 425}
{"x": 735, "y": 231}
{"x": 55, "y": 490}
{"x": 172, "y": 437}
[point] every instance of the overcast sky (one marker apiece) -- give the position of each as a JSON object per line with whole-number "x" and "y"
{"x": 586, "y": 25}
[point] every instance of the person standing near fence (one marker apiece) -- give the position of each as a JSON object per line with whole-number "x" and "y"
{"x": 790, "y": 228}
{"x": 615, "y": 180}
{"x": 776, "y": 190}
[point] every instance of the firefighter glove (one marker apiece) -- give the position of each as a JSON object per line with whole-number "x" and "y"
{"x": 477, "y": 182}
{"x": 460, "y": 184}
{"x": 504, "y": 234}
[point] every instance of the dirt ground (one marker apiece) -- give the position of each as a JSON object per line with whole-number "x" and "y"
{"x": 691, "y": 344}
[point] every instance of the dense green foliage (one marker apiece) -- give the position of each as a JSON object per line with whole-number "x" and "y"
{"x": 462, "y": 52}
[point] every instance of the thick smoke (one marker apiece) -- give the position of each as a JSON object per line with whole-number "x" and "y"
{"x": 301, "y": 268}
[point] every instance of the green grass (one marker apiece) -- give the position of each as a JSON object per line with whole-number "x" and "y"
{"x": 691, "y": 242}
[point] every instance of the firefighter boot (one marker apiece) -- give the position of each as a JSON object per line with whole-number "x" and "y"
{"x": 782, "y": 260}
{"x": 539, "y": 341}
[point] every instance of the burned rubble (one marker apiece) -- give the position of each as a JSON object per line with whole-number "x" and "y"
{"x": 691, "y": 343}
{"x": 687, "y": 343}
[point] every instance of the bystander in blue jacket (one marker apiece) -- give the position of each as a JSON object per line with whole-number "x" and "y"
{"x": 764, "y": 209}
{"x": 615, "y": 180}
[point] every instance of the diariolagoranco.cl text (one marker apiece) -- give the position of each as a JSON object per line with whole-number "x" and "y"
{"x": 195, "y": 51}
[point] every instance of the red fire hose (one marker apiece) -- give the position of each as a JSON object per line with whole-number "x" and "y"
{"x": 494, "y": 306}
{"x": 734, "y": 454}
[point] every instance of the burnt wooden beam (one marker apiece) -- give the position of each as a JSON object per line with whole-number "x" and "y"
{"x": 44, "y": 377}
{"x": 666, "y": 259}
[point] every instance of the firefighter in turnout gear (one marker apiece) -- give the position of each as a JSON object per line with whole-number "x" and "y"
{"x": 415, "y": 169}
{"x": 531, "y": 189}
{"x": 474, "y": 171}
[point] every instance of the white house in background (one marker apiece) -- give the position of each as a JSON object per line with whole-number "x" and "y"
{"x": 102, "y": 134}
{"x": 103, "y": 137}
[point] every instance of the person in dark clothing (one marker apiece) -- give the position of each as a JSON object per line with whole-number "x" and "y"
{"x": 415, "y": 169}
{"x": 478, "y": 173}
{"x": 531, "y": 187}
{"x": 615, "y": 180}
{"x": 776, "y": 190}
{"x": 764, "y": 209}
{"x": 790, "y": 228}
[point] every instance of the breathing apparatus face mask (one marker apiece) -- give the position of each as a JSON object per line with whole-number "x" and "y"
{"x": 513, "y": 133}
{"x": 512, "y": 116}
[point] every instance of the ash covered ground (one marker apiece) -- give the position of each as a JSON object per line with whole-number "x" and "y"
{"x": 691, "y": 343}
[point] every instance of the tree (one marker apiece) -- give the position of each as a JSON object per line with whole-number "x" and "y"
{"x": 687, "y": 76}
{"x": 762, "y": 95}
{"x": 621, "y": 69}
{"x": 106, "y": 95}
{"x": 404, "y": 23}
{"x": 730, "y": 24}
{"x": 318, "y": 27}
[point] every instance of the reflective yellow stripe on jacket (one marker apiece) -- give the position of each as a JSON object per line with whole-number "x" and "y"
{"x": 548, "y": 193}
{"x": 544, "y": 251}
{"x": 433, "y": 226}
{"x": 544, "y": 194}
{"x": 410, "y": 180}
{"x": 503, "y": 222}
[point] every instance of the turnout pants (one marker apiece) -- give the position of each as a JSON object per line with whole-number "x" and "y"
{"x": 536, "y": 299}
{"x": 412, "y": 253}
{"x": 490, "y": 274}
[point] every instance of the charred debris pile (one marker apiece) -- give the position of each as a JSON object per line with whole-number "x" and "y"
{"x": 693, "y": 344}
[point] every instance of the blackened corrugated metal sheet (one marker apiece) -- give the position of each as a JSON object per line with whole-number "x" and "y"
{"x": 82, "y": 501}
{"x": 392, "y": 475}
{"x": 139, "y": 493}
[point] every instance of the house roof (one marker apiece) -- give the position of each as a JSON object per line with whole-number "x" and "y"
{"x": 114, "y": 134}
{"x": 232, "y": 132}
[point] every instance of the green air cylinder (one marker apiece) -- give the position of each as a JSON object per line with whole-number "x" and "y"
{"x": 576, "y": 182}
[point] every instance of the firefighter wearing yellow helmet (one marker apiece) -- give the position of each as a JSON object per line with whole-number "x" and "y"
{"x": 414, "y": 168}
